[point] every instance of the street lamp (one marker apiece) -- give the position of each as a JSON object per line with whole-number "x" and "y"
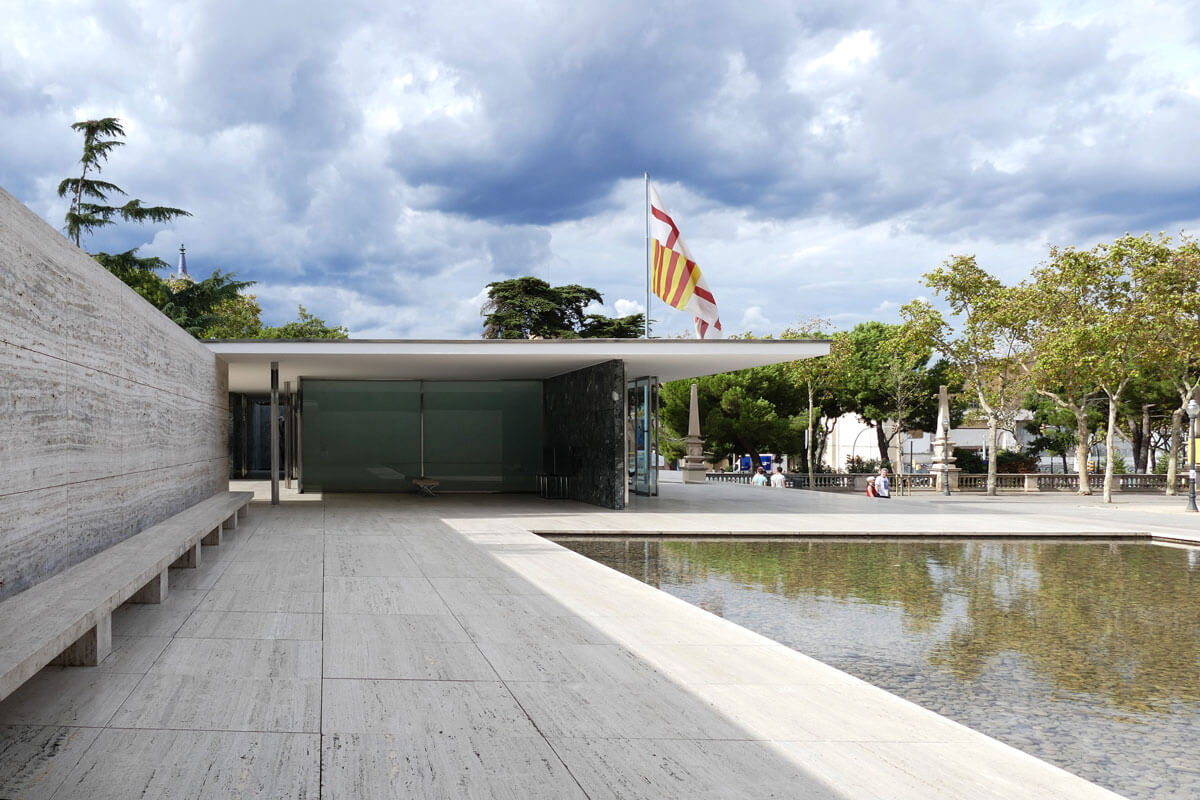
{"x": 1193, "y": 410}
{"x": 946, "y": 457}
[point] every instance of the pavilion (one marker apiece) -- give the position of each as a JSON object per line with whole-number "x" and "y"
{"x": 473, "y": 415}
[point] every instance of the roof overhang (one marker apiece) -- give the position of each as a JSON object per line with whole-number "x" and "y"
{"x": 495, "y": 359}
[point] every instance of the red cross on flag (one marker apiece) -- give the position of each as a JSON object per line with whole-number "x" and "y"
{"x": 674, "y": 276}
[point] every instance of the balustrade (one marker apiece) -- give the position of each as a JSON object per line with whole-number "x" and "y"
{"x": 1007, "y": 482}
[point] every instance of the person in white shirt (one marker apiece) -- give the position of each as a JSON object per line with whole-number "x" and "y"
{"x": 883, "y": 486}
{"x": 777, "y": 480}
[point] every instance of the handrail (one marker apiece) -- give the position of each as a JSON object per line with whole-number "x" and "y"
{"x": 968, "y": 482}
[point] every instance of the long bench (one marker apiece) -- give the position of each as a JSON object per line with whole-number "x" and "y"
{"x": 67, "y": 619}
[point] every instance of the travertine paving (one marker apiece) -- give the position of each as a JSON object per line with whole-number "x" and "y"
{"x": 395, "y": 646}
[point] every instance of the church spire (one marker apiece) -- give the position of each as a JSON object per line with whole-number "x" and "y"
{"x": 181, "y": 271}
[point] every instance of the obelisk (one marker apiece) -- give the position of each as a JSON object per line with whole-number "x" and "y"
{"x": 694, "y": 470}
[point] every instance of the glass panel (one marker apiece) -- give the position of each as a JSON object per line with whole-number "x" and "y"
{"x": 641, "y": 435}
{"x": 483, "y": 435}
{"x": 631, "y": 437}
{"x": 652, "y": 433}
{"x": 362, "y": 436}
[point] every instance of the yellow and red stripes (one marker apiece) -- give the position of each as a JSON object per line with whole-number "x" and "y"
{"x": 673, "y": 277}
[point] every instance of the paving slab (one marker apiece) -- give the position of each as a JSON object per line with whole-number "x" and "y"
{"x": 196, "y": 765}
{"x": 682, "y": 769}
{"x": 64, "y": 696}
{"x": 241, "y": 658}
{"x": 35, "y": 760}
{"x": 356, "y": 766}
{"x": 249, "y": 600}
{"x": 420, "y": 709}
{"x": 133, "y": 654}
{"x": 252, "y": 625}
{"x": 358, "y": 651}
{"x": 199, "y": 702}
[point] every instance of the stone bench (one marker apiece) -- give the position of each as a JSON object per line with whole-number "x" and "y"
{"x": 67, "y": 619}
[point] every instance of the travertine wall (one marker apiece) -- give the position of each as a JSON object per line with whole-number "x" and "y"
{"x": 111, "y": 417}
{"x": 584, "y": 424}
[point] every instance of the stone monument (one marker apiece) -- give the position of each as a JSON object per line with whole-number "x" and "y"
{"x": 694, "y": 470}
{"x": 943, "y": 447}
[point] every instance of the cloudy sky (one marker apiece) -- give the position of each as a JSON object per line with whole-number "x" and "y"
{"x": 381, "y": 163}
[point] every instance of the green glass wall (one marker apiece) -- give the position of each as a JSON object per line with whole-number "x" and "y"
{"x": 362, "y": 436}
{"x": 483, "y": 435}
{"x": 376, "y": 436}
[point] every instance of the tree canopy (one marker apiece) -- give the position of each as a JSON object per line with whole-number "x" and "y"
{"x": 748, "y": 412}
{"x": 528, "y": 307}
{"x": 89, "y": 208}
{"x": 985, "y": 347}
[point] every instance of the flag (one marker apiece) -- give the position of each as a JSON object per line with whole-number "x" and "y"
{"x": 674, "y": 276}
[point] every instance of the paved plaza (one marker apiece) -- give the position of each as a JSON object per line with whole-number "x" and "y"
{"x": 375, "y": 646}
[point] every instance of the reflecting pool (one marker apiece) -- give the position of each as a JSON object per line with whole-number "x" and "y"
{"x": 1084, "y": 654}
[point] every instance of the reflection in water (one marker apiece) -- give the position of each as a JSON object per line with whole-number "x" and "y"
{"x": 1085, "y": 654}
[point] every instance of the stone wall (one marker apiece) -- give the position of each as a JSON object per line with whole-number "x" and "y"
{"x": 112, "y": 418}
{"x": 583, "y": 415}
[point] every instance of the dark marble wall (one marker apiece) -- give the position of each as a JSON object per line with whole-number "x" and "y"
{"x": 585, "y": 432}
{"x": 112, "y": 418}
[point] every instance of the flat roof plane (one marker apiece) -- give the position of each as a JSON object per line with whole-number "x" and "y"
{"x": 250, "y": 360}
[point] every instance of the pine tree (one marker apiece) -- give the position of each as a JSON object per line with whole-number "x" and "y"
{"x": 89, "y": 196}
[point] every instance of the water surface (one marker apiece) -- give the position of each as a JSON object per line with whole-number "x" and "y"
{"x": 1084, "y": 654}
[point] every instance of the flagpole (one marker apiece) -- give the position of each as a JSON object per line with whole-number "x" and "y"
{"x": 647, "y": 320}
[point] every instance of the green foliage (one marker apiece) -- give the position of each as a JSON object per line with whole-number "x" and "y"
{"x": 307, "y": 326}
{"x": 597, "y": 326}
{"x": 213, "y": 308}
{"x": 969, "y": 461}
{"x": 140, "y": 274}
{"x": 751, "y": 411}
{"x": 885, "y": 375}
{"x": 1164, "y": 462}
{"x": 985, "y": 346}
{"x": 194, "y": 305}
{"x": 1018, "y": 461}
{"x": 89, "y": 209}
{"x": 864, "y": 465}
{"x": 240, "y": 318}
{"x": 528, "y": 307}
{"x": 818, "y": 379}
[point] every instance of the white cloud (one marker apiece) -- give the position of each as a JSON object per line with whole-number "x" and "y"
{"x": 625, "y": 308}
{"x": 753, "y": 320}
{"x": 851, "y": 53}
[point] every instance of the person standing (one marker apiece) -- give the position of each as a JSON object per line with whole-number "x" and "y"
{"x": 883, "y": 486}
{"x": 760, "y": 478}
{"x": 777, "y": 480}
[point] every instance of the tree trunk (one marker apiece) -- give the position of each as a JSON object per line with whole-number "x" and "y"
{"x": 881, "y": 439}
{"x": 1147, "y": 435}
{"x": 1173, "y": 452}
{"x": 1135, "y": 439}
{"x": 993, "y": 436}
{"x": 1081, "y": 449}
{"x": 1109, "y": 440}
{"x": 808, "y": 442}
